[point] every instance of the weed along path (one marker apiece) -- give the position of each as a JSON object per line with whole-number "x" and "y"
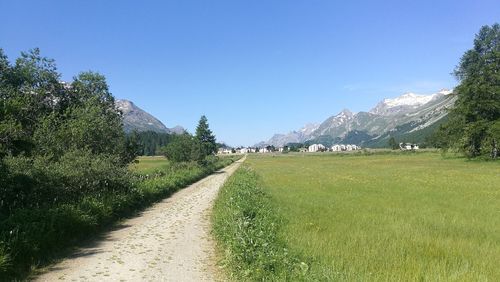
{"x": 170, "y": 241}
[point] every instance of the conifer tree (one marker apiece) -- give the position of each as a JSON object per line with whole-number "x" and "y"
{"x": 474, "y": 124}
{"x": 206, "y": 143}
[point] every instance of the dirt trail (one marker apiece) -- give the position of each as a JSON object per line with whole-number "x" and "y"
{"x": 170, "y": 241}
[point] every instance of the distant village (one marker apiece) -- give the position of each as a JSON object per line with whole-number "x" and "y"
{"x": 270, "y": 149}
{"x": 314, "y": 148}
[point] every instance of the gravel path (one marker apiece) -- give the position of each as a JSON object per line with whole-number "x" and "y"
{"x": 170, "y": 241}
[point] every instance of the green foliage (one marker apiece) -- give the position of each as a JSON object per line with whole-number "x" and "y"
{"x": 150, "y": 142}
{"x": 38, "y": 182}
{"x": 246, "y": 225}
{"x": 392, "y": 143}
{"x": 5, "y": 262}
{"x": 60, "y": 144}
{"x": 470, "y": 128}
{"x": 28, "y": 92}
{"x": 295, "y": 147}
{"x": 205, "y": 144}
{"x": 43, "y": 117}
{"x": 132, "y": 147}
{"x": 185, "y": 147}
{"x": 180, "y": 149}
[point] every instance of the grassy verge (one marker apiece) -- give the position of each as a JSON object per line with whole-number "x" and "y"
{"x": 33, "y": 237}
{"x": 246, "y": 225}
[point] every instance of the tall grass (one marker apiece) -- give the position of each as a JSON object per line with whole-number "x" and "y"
{"x": 246, "y": 225}
{"x": 31, "y": 237}
{"x": 403, "y": 217}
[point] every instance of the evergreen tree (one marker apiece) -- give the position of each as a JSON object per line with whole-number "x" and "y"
{"x": 132, "y": 147}
{"x": 205, "y": 140}
{"x": 392, "y": 143}
{"x": 474, "y": 123}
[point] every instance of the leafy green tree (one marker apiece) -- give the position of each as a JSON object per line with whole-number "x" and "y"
{"x": 90, "y": 121}
{"x": 205, "y": 140}
{"x": 29, "y": 90}
{"x": 180, "y": 148}
{"x": 472, "y": 126}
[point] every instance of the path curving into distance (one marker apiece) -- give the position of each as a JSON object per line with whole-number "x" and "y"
{"x": 170, "y": 241}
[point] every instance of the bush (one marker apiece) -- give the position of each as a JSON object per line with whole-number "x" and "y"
{"x": 180, "y": 149}
{"x": 34, "y": 182}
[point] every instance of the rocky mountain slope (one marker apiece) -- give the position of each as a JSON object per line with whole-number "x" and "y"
{"x": 134, "y": 118}
{"x": 410, "y": 116}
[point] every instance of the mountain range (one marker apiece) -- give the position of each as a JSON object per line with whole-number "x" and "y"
{"x": 135, "y": 118}
{"x": 407, "y": 118}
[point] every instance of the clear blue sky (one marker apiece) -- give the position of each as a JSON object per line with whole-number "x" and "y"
{"x": 253, "y": 67}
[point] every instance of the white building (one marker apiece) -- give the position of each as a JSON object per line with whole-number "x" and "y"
{"x": 316, "y": 147}
{"x": 244, "y": 150}
{"x": 408, "y": 146}
{"x": 224, "y": 151}
{"x": 336, "y": 148}
{"x": 342, "y": 147}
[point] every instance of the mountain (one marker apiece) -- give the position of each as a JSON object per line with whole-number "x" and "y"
{"x": 134, "y": 118}
{"x": 410, "y": 117}
{"x": 405, "y": 103}
{"x": 177, "y": 129}
{"x": 299, "y": 136}
{"x": 336, "y": 126}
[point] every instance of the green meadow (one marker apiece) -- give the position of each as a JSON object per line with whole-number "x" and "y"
{"x": 402, "y": 217}
{"x": 149, "y": 164}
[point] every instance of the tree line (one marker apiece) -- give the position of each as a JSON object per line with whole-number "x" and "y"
{"x": 148, "y": 143}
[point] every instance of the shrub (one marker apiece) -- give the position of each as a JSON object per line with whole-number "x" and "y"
{"x": 36, "y": 181}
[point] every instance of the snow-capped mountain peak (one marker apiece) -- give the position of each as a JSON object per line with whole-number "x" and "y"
{"x": 405, "y": 102}
{"x": 409, "y": 99}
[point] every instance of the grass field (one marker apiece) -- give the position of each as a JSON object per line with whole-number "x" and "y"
{"x": 387, "y": 217}
{"x": 146, "y": 164}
